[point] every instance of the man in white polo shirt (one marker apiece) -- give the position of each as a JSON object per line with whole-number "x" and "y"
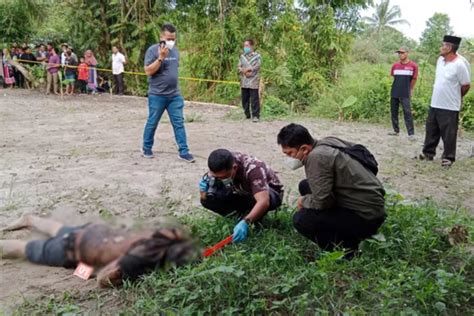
{"x": 452, "y": 82}
{"x": 118, "y": 60}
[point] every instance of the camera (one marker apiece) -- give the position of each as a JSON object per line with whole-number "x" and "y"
{"x": 213, "y": 186}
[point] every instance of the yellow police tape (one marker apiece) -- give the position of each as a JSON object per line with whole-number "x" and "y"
{"x": 138, "y": 73}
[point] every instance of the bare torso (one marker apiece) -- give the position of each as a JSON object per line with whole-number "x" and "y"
{"x": 97, "y": 244}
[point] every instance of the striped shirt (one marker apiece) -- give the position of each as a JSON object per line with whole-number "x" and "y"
{"x": 403, "y": 74}
{"x": 250, "y": 61}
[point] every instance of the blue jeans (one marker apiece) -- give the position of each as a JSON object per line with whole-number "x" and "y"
{"x": 174, "y": 106}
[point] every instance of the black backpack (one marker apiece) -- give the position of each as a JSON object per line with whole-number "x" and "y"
{"x": 361, "y": 154}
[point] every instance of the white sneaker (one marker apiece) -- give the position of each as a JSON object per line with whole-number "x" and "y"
{"x": 411, "y": 138}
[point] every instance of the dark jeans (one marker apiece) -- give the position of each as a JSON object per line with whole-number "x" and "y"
{"x": 394, "y": 104}
{"x": 119, "y": 87}
{"x": 251, "y": 95}
{"x": 225, "y": 204}
{"x": 332, "y": 227}
{"x": 441, "y": 124}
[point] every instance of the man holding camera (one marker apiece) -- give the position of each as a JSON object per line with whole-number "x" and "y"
{"x": 161, "y": 67}
{"x": 240, "y": 183}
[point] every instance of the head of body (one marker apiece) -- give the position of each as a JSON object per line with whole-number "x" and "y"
{"x": 165, "y": 248}
{"x": 41, "y": 48}
{"x": 168, "y": 36}
{"x": 82, "y": 60}
{"x": 52, "y": 51}
{"x": 296, "y": 143}
{"x": 449, "y": 47}
{"x": 27, "y": 50}
{"x": 64, "y": 47}
{"x": 222, "y": 165}
{"x": 403, "y": 55}
{"x": 115, "y": 50}
{"x": 248, "y": 46}
{"x": 49, "y": 46}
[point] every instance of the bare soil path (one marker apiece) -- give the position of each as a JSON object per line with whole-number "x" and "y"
{"x": 78, "y": 158}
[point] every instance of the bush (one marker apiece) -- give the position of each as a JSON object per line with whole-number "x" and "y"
{"x": 275, "y": 107}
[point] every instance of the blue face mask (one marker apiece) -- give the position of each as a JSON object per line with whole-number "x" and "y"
{"x": 246, "y": 50}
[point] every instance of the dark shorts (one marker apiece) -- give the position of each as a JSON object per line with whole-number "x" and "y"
{"x": 51, "y": 251}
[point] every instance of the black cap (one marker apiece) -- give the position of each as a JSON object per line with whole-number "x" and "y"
{"x": 452, "y": 39}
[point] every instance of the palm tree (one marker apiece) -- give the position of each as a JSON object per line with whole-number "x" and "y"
{"x": 385, "y": 16}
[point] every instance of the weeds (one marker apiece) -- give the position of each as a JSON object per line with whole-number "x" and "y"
{"x": 408, "y": 268}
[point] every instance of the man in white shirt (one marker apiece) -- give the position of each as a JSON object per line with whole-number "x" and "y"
{"x": 452, "y": 82}
{"x": 118, "y": 60}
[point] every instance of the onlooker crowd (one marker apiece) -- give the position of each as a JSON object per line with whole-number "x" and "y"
{"x": 73, "y": 73}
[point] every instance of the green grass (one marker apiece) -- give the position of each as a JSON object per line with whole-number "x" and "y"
{"x": 409, "y": 268}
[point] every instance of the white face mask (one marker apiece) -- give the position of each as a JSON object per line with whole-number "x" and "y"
{"x": 293, "y": 163}
{"x": 170, "y": 44}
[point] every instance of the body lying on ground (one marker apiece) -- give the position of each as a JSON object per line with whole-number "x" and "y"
{"x": 121, "y": 255}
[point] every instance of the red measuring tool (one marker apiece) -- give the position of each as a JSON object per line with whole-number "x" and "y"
{"x": 209, "y": 251}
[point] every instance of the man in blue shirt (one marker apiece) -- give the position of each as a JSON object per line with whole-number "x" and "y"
{"x": 161, "y": 67}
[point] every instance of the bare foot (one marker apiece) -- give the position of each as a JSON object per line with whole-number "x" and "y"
{"x": 22, "y": 222}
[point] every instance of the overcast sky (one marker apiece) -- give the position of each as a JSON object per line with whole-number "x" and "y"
{"x": 417, "y": 12}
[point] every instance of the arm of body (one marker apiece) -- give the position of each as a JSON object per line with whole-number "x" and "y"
{"x": 465, "y": 89}
{"x": 260, "y": 207}
{"x": 110, "y": 275}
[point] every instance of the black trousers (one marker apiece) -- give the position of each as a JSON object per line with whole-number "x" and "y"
{"x": 119, "y": 86}
{"x": 394, "y": 105}
{"x": 241, "y": 204}
{"x": 337, "y": 226}
{"x": 250, "y": 96}
{"x": 441, "y": 124}
{"x": 82, "y": 85}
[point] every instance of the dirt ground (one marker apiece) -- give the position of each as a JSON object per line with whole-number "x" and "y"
{"x": 78, "y": 158}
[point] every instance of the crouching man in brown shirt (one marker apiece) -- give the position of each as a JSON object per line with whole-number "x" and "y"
{"x": 122, "y": 255}
{"x": 242, "y": 184}
{"x": 342, "y": 202}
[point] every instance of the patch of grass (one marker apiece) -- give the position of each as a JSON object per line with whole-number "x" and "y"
{"x": 408, "y": 268}
{"x": 193, "y": 117}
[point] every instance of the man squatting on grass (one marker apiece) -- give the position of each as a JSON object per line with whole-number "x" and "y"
{"x": 240, "y": 183}
{"x": 121, "y": 255}
{"x": 342, "y": 202}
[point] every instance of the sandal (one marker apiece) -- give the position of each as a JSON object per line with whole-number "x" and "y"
{"x": 446, "y": 163}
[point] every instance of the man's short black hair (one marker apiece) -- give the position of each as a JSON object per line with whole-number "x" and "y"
{"x": 168, "y": 247}
{"x": 220, "y": 160}
{"x": 168, "y": 27}
{"x": 294, "y": 136}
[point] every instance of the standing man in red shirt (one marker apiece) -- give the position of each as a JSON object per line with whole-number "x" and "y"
{"x": 405, "y": 73}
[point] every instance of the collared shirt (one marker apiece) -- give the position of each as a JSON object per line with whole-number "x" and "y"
{"x": 118, "y": 60}
{"x": 251, "y": 61}
{"x": 165, "y": 81}
{"x": 338, "y": 180}
{"x": 253, "y": 175}
{"x": 450, "y": 76}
